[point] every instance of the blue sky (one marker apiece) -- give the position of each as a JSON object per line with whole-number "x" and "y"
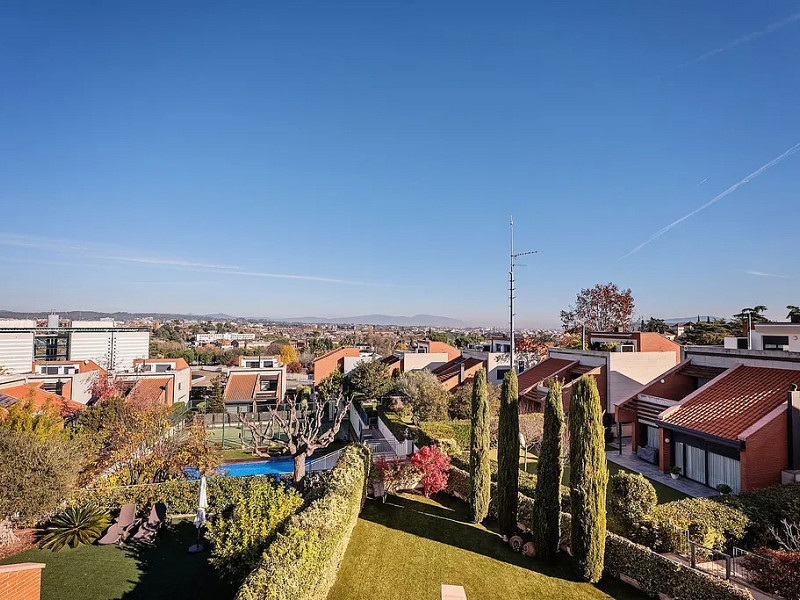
{"x": 174, "y": 156}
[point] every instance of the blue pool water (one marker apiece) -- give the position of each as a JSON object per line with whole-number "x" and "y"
{"x": 269, "y": 466}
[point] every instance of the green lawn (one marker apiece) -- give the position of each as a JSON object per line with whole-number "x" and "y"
{"x": 164, "y": 572}
{"x": 405, "y": 549}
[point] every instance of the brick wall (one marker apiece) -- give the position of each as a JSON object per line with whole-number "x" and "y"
{"x": 766, "y": 453}
{"x": 654, "y": 342}
{"x": 451, "y": 352}
{"x": 22, "y": 581}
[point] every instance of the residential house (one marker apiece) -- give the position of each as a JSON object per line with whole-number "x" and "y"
{"x": 496, "y": 356}
{"x": 459, "y": 371}
{"x": 35, "y": 393}
{"x": 769, "y": 336}
{"x": 70, "y": 379}
{"x": 331, "y": 361}
{"x": 621, "y": 362}
{"x": 723, "y": 416}
{"x": 167, "y": 380}
{"x": 254, "y": 390}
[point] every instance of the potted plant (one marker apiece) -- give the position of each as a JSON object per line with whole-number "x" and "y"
{"x": 675, "y": 471}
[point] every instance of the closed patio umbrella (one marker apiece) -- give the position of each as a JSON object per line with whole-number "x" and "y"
{"x": 200, "y": 517}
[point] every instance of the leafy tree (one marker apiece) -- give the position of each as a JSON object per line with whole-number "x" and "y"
{"x": 479, "y": 467}
{"x": 547, "y": 497}
{"x": 588, "y": 480}
{"x": 601, "y": 308}
{"x": 655, "y": 325}
{"x": 631, "y": 501}
{"x": 710, "y": 333}
{"x": 294, "y": 367}
{"x": 756, "y": 314}
{"x": 24, "y": 417}
{"x": 508, "y": 456}
{"x": 289, "y": 355}
{"x": 423, "y": 391}
{"x": 216, "y": 401}
{"x": 794, "y": 311}
{"x": 432, "y": 464}
{"x": 331, "y": 387}
{"x": 36, "y": 474}
{"x": 438, "y": 336}
{"x": 370, "y": 378}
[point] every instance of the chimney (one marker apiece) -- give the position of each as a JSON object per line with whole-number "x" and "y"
{"x": 795, "y": 318}
{"x": 59, "y": 387}
{"x": 461, "y": 375}
{"x": 794, "y": 426}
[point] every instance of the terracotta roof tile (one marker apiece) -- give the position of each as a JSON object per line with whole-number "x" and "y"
{"x": 150, "y": 389}
{"x": 241, "y": 386}
{"x": 732, "y": 403}
{"x": 453, "y": 367}
{"x": 34, "y": 392}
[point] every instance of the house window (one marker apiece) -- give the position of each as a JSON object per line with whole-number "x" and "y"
{"x": 501, "y": 373}
{"x": 722, "y": 469}
{"x": 775, "y": 342}
{"x": 652, "y": 436}
{"x": 741, "y": 343}
{"x": 692, "y": 461}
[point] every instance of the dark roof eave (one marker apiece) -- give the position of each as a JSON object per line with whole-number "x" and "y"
{"x": 739, "y": 444}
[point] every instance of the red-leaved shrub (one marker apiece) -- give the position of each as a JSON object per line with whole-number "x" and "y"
{"x": 775, "y": 571}
{"x": 432, "y": 464}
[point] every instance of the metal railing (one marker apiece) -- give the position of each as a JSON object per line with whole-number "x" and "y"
{"x": 710, "y": 561}
{"x": 324, "y": 463}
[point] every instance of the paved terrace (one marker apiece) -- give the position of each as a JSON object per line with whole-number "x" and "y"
{"x": 630, "y": 461}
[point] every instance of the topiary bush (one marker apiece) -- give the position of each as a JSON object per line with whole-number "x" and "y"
{"x": 239, "y": 534}
{"x": 710, "y": 523}
{"x": 303, "y": 560}
{"x": 631, "y": 502}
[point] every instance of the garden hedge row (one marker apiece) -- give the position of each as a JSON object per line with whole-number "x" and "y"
{"x": 430, "y": 432}
{"x": 655, "y": 573}
{"x": 710, "y": 523}
{"x": 180, "y": 495}
{"x": 303, "y": 560}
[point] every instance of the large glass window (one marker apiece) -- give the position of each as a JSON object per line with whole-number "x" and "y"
{"x": 652, "y": 436}
{"x": 722, "y": 469}
{"x": 692, "y": 461}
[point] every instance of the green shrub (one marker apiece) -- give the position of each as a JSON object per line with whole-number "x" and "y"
{"x": 631, "y": 502}
{"x": 765, "y": 508}
{"x": 240, "y": 534}
{"x": 709, "y": 522}
{"x": 302, "y": 562}
{"x": 658, "y": 574}
{"x": 588, "y": 479}
{"x": 75, "y": 525}
{"x": 431, "y": 433}
{"x": 395, "y": 423}
{"x": 180, "y": 495}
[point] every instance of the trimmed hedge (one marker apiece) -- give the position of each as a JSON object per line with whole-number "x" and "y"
{"x": 431, "y": 432}
{"x": 710, "y": 523}
{"x": 395, "y": 424}
{"x": 303, "y": 561}
{"x": 657, "y": 574}
{"x": 180, "y": 495}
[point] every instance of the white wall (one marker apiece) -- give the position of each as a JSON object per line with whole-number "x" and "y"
{"x": 629, "y": 371}
{"x": 16, "y": 351}
{"x": 17, "y": 323}
{"x": 110, "y": 349}
{"x": 423, "y": 360}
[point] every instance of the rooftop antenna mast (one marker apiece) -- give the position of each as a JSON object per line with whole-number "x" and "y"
{"x": 514, "y": 257}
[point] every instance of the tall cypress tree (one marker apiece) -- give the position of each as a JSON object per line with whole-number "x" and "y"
{"x": 216, "y": 399}
{"x": 547, "y": 498}
{"x": 508, "y": 456}
{"x": 480, "y": 475}
{"x": 588, "y": 480}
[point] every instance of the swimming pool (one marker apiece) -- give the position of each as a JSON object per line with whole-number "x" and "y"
{"x": 268, "y": 466}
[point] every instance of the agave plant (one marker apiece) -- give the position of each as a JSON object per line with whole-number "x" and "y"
{"x": 76, "y": 525}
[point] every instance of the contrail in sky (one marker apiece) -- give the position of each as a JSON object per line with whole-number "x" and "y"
{"x": 744, "y": 39}
{"x": 715, "y": 199}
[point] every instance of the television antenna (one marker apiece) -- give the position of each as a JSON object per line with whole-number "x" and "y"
{"x": 511, "y": 291}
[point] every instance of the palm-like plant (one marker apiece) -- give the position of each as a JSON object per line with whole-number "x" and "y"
{"x": 794, "y": 311}
{"x": 76, "y": 525}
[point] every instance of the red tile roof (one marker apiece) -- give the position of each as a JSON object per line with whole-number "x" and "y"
{"x": 241, "y": 386}
{"x": 733, "y": 402}
{"x": 541, "y": 371}
{"x": 151, "y": 389}
{"x": 39, "y": 397}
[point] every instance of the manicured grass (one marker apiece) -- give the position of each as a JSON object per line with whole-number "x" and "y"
{"x": 164, "y": 572}
{"x": 409, "y": 546}
{"x": 664, "y": 492}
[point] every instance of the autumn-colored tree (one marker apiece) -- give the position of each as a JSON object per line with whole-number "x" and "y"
{"x": 289, "y": 354}
{"x": 294, "y": 367}
{"x": 432, "y": 464}
{"x": 601, "y": 308}
{"x": 23, "y": 417}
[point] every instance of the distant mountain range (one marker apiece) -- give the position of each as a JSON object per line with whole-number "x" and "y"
{"x": 419, "y": 320}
